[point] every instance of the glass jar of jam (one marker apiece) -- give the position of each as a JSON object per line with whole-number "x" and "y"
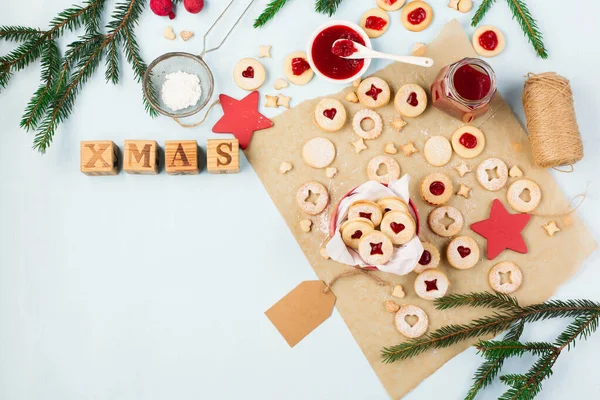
{"x": 464, "y": 89}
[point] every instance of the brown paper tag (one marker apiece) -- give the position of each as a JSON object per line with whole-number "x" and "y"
{"x": 301, "y": 311}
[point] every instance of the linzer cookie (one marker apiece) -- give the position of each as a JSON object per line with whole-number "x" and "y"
{"x": 393, "y": 169}
{"x": 505, "y": 277}
{"x": 304, "y": 193}
{"x": 524, "y": 195}
{"x": 249, "y": 74}
{"x": 354, "y": 229}
{"x": 399, "y": 226}
{"x": 374, "y": 117}
{"x": 365, "y": 209}
{"x": 330, "y": 115}
{"x": 411, "y": 331}
{"x": 297, "y": 69}
{"x": 375, "y": 248}
{"x": 437, "y": 225}
{"x": 392, "y": 204}
{"x": 374, "y": 92}
{"x": 492, "y": 174}
{"x": 416, "y": 16}
{"x": 488, "y": 41}
{"x": 468, "y": 142}
{"x": 431, "y": 284}
{"x": 318, "y": 152}
{"x": 410, "y": 100}
{"x": 429, "y": 259}
{"x": 436, "y": 189}
{"x": 437, "y": 151}
{"x": 463, "y": 253}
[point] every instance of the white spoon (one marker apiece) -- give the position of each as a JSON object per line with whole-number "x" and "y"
{"x": 365, "y": 52}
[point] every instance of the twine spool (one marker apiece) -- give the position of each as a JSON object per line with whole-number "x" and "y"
{"x": 550, "y": 113}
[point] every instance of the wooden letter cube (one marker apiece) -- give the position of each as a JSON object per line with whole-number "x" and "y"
{"x": 181, "y": 157}
{"x": 140, "y": 157}
{"x": 223, "y": 156}
{"x": 99, "y": 158}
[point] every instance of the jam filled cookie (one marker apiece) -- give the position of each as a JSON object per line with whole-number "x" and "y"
{"x": 330, "y": 115}
{"x": 431, "y": 284}
{"x": 297, "y": 69}
{"x": 367, "y": 115}
{"x": 392, "y": 166}
{"x": 249, "y": 74}
{"x": 306, "y": 191}
{"x": 524, "y": 195}
{"x": 375, "y": 248}
{"x": 416, "y": 16}
{"x": 411, "y": 331}
{"x": 375, "y": 22}
{"x": 410, "y": 100}
{"x": 365, "y": 209}
{"x": 399, "y": 226}
{"x": 492, "y": 174}
{"x": 374, "y": 92}
{"x": 439, "y": 227}
{"x": 430, "y": 258}
{"x": 436, "y": 189}
{"x": 354, "y": 229}
{"x": 388, "y": 204}
{"x": 505, "y": 277}
{"x": 318, "y": 152}
{"x": 390, "y": 5}
{"x": 488, "y": 41}
{"x": 462, "y": 253}
{"x": 437, "y": 151}
{"x": 468, "y": 142}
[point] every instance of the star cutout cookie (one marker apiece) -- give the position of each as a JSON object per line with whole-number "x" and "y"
{"x": 463, "y": 169}
{"x": 398, "y": 124}
{"x": 271, "y": 101}
{"x": 264, "y": 51}
{"x": 409, "y": 149}
{"x": 359, "y": 145}
{"x": 551, "y": 228}
{"x": 464, "y": 191}
{"x": 283, "y": 101}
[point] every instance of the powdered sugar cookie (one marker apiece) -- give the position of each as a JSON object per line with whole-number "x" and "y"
{"x": 371, "y": 115}
{"x": 375, "y": 22}
{"x": 411, "y": 331}
{"x": 436, "y": 189}
{"x": 306, "y": 191}
{"x": 488, "y": 41}
{"x": 374, "y": 92}
{"x": 390, "y": 5}
{"x": 354, "y": 229}
{"x": 431, "y": 284}
{"x": 524, "y": 195}
{"x": 388, "y": 204}
{"x": 513, "y": 277}
{"x": 436, "y": 221}
{"x": 492, "y": 174}
{"x": 437, "y": 151}
{"x": 375, "y": 248}
{"x": 410, "y": 100}
{"x": 330, "y": 115}
{"x": 365, "y": 209}
{"x": 416, "y": 16}
{"x": 391, "y": 165}
{"x": 297, "y": 69}
{"x": 462, "y": 252}
{"x": 429, "y": 259}
{"x": 249, "y": 74}
{"x": 318, "y": 152}
{"x": 399, "y": 226}
{"x": 468, "y": 142}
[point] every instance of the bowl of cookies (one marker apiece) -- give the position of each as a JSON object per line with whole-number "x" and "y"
{"x": 376, "y": 226}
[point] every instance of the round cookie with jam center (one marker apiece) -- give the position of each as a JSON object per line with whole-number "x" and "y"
{"x": 399, "y": 226}
{"x": 524, "y": 195}
{"x": 390, "y": 5}
{"x": 388, "y": 204}
{"x": 430, "y": 258}
{"x": 513, "y": 274}
{"x": 354, "y": 229}
{"x": 374, "y": 92}
{"x": 249, "y": 74}
{"x": 431, "y": 284}
{"x": 411, "y": 331}
{"x": 488, "y": 41}
{"x": 410, "y": 100}
{"x": 500, "y": 171}
{"x": 436, "y": 189}
{"x": 330, "y": 115}
{"x": 439, "y": 228}
{"x": 437, "y": 151}
{"x": 416, "y": 16}
{"x": 392, "y": 166}
{"x": 375, "y": 22}
{"x": 365, "y": 209}
{"x": 371, "y": 115}
{"x": 463, "y": 252}
{"x": 468, "y": 142}
{"x": 296, "y": 68}
{"x": 305, "y": 191}
{"x": 375, "y": 248}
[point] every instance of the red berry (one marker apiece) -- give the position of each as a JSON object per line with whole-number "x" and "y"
{"x": 193, "y": 6}
{"x": 162, "y": 8}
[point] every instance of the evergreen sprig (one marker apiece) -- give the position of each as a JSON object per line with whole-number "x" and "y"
{"x": 509, "y": 316}
{"x": 328, "y": 7}
{"x": 483, "y": 8}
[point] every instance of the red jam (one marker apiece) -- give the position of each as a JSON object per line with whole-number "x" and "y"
{"x": 376, "y": 248}
{"x": 356, "y": 235}
{"x": 468, "y": 140}
{"x": 248, "y": 73}
{"x": 488, "y": 40}
{"x": 330, "y": 113}
{"x": 329, "y": 64}
{"x": 463, "y": 251}
{"x": 431, "y": 285}
{"x": 343, "y": 48}
{"x": 437, "y": 188}
{"x": 397, "y": 228}
{"x": 391, "y": 2}
{"x": 365, "y": 215}
{"x": 375, "y": 23}
{"x": 374, "y": 92}
{"x": 425, "y": 258}
{"x": 416, "y": 16}
{"x": 412, "y": 99}
{"x": 299, "y": 66}
{"x": 471, "y": 84}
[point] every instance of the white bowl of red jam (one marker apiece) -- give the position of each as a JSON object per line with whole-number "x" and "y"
{"x": 331, "y": 66}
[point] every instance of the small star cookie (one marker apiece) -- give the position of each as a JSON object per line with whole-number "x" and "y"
{"x": 359, "y": 145}
{"x": 264, "y": 51}
{"x": 463, "y": 169}
{"x": 283, "y": 101}
{"x": 271, "y": 101}
{"x": 551, "y": 228}
{"x": 409, "y": 149}
{"x": 464, "y": 191}
{"x": 398, "y": 124}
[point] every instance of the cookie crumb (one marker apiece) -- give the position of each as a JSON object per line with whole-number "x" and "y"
{"x": 359, "y": 145}
{"x": 551, "y": 228}
{"x": 264, "y": 51}
{"x": 331, "y": 172}
{"x": 281, "y": 84}
{"x": 419, "y": 49}
{"x": 352, "y": 97}
{"x": 463, "y": 169}
{"x": 409, "y": 149}
{"x": 464, "y": 191}
{"x": 398, "y": 292}
{"x": 285, "y": 167}
{"x": 306, "y": 225}
{"x": 390, "y": 148}
{"x": 515, "y": 172}
{"x": 391, "y": 307}
{"x": 168, "y": 33}
{"x": 271, "y": 101}
{"x": 283, "y": 101}
{"x": 517, "y": 147}
{"x": 398, "y": 124}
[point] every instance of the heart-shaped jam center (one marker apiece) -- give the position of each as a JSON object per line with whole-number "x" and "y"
{"x": 376, "y": 248}
{"x": 468, "y": 140}
{"x": 397, "y": 228}
{"x": 437, "y": 188}
{"x": 248, "y": 73}
{"x": 330, "y": 113}
{"x": 425, "y": 258}
{"x": 299, "y": 66}
{"x": 431, "y": 285}
{"x": 375, "y": 23}
{"x": 412, "y": 99}
{"x": 463, "y": 251}
{"x": 365, "y": 215}
{"x": 374, "y": 92}
{"x": 357, "y": 234}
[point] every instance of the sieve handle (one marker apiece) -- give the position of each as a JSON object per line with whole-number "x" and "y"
{"x": 204, "y": 51}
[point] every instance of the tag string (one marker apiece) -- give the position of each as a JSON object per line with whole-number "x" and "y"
{"x": 568, "y": 210}
{"x": 352, "y": 272}
{"x": 199, "y": 122}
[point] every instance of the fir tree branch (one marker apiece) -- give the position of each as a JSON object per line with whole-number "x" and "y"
{"x": 139, "y": 68}
{"x": 484, "y": 300}
{"x": 74, "y": 17}
{"x": 581, "y": 328}
{"x": 494, "y": 349}
{"x": 484, "y": 7}
{"x": 328, "y": 7}
{"x": 112, "y": 63}
{"x": 269, "y": 12}
{"x": 522, "y": 14}
{"x": 559, "y": 309}
{"x": 19, "y": 33}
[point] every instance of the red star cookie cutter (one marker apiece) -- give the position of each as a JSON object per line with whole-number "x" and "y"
{"x": 502, "y": 230}
{"x": 241, "y": 118}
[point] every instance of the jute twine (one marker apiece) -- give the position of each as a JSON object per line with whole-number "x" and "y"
{"x": 199, "y": 122}
{"x": 352, "y": 272}
{"x": 553, "y": 132}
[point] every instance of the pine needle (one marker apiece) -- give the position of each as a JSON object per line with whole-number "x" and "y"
{"x": 328, "y": 7}
{"x": 484, "y": 7}
{"x": 521, "y": 13}
{"x": 269, "y": 12}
